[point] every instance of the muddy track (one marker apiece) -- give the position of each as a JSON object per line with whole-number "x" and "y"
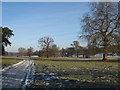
{"x": 15, "y": 77}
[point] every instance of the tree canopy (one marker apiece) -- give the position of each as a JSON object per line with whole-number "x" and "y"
{"x": 46, "y": 42}
{"x": 22, "y": 51}
{"x": 30, "y": 51}
{"x": 6, "y": 34}
{"x": 101, "y": 25}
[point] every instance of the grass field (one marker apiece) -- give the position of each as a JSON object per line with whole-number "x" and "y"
{"x": 59, "y": 58}
{"x": 7, "y": 61}
{"x": 82, "y": 74}
{"x": 70, "y": 58}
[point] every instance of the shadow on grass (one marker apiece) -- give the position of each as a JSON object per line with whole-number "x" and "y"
{"x": 63, "y": 84}
{"x": 73, "y": 84}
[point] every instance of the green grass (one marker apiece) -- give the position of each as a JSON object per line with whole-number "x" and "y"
{"x": 7, "y": 61}
{"x": 89, "y": 71}
{"x": 69, "y": 58}
{"x": 60, "y": 58}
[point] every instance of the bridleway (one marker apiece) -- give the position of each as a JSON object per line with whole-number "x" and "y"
{"x": 18, "y": 75}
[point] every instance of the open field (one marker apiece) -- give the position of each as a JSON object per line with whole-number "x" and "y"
{"x": 7, "y": 61}
{"x": 60, "y": 58}
{"x": 73, "y": 74}
{"x": 72, "y": 58}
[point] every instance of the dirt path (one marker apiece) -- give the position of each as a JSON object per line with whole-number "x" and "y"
{"x": 15, "y": 76}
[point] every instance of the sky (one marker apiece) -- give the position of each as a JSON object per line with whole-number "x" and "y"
{"x": 31, "y": 21}
{"x": 60, "y": 0}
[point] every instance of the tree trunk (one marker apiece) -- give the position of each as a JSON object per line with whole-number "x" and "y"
{"x": 105, "y": 48}
{"x": 47, "y": 56}
{"x": 47, "y": 49}
{"x": 104, "y": 56}
{"x": 47, "y": 53}
{"x": 3, "y": 50}
{"x": 77, "y": 54}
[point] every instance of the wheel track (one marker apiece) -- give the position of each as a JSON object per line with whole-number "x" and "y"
{"x": 16, "y": 76}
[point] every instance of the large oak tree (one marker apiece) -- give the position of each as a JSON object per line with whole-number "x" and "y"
{"x": 101, "y": 25}
{"x": 46, "y": 43}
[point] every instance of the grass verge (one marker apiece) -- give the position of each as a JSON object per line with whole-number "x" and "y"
{"x": 7, "y": 61}
{"x": 92, "y": 74}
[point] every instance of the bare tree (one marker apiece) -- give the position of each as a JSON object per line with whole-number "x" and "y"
{"x": 30, "y": 51}
{"x": 46, "y": 42}
{"x": 70, "y": 51}
{"x": 54, "y": 50}
{"x": 63, "y": 52}
{"x": 0, "y": 41}
{"x": 100, "y": 26}
{"x": 76, "y": 47}
{"x": 22, "y": 51}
